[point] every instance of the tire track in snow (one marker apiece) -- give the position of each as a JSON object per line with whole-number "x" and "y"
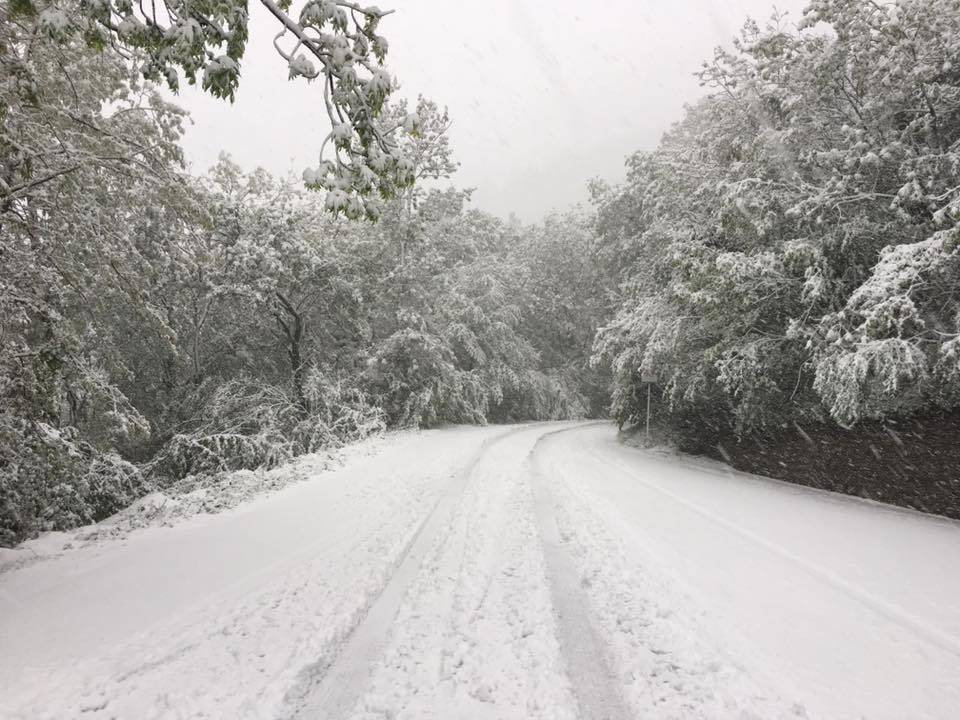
{"x": 328, "y": 689}
{"x": 595, "y": 685}
{"x": 661, "y": 662}
{"x": 475, "y": 636}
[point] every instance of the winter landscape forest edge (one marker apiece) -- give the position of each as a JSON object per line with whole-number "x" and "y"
{"x": 784, "y": 265}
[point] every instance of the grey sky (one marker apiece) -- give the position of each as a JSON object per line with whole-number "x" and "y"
{"x": 543, "y": 94}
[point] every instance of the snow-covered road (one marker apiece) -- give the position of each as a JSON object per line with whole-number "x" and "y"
{"x": 534, "y": 571}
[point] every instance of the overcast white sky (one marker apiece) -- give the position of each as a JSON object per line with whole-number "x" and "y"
{"x": 543, "y": 94}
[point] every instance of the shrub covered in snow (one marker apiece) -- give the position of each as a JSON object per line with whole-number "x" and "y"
{"x": 50, "y": 479}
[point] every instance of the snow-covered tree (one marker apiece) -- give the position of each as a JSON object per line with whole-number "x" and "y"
{"x": 334, "y": 43}
{"x": 82, "y": 145}
{"x": 790, "y": 242}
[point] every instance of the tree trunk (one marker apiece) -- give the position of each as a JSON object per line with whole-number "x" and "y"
{"x": 292, "y": 329}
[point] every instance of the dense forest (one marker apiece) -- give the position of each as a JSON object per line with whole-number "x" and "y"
{"x": 787, "y": 257}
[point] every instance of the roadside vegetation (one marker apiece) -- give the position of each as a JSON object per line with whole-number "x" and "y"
{"x": 788, "y": 257}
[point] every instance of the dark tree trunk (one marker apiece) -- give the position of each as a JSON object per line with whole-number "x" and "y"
{"x": 291, "y": 324}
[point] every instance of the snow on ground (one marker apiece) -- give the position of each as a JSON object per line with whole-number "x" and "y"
{"x": 475, "y": 634}
{"x": 216, "y": 616}
{"x": 666, "y": 664}
{"x": 192, "y": 496}
{"x": 846, "y": 607}
{"x": 536, "y": 571}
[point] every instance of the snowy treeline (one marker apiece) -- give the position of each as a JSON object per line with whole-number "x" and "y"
{"x": 790, "y": 250}
{"x": 156, "y": 325}
{"x": 787, "y": 254}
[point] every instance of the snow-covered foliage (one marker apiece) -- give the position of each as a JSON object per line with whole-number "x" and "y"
{"x": 789, "y": 250}
{"x": 333, "y": 42}
{"x": 81, "y": 144}
{"x": 893, "y": 346}
{"x": 52, "y": 479}
{"x": 459, "y": 347}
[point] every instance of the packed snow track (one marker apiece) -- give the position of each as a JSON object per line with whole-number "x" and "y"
{"x": 505, "y": 572}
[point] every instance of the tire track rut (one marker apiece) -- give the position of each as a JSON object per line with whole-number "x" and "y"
{"x": 329, "y": 688}
{"x": 595, "y": 685}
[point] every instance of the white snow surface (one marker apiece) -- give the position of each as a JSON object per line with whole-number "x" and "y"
{"x": 528, "y": 571}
